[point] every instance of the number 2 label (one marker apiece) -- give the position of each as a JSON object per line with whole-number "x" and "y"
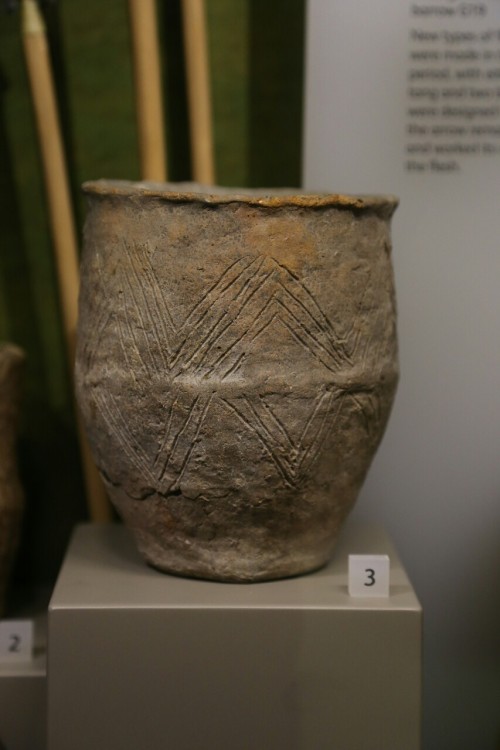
{"x": 15, "y": 643}
{"x": 16, "y": 640}
{"x": 368, "y": 575}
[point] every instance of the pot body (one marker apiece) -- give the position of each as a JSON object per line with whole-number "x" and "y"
{"x": 236, "y": 366}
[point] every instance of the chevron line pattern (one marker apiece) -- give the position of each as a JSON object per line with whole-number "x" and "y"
{"x": 252, "y": 296}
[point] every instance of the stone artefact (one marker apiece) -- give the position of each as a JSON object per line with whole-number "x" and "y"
{"x": 236, "y": 366}
{"x": 11, "y": 493}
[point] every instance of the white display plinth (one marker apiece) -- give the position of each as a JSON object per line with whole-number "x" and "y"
{"x": 140, "y": 659}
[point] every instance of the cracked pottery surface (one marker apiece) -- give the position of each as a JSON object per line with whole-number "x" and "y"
{"x": 236, "y": 366}
{"x": 11, "y": 493}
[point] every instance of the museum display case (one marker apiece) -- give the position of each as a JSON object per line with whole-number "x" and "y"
{"x": 392, "y": 98}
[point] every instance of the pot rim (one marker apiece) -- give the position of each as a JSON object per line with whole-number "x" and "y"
{"x": 190, "y": 192}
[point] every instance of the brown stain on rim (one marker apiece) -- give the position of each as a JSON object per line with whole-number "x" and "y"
{"x": 272, "y": 237}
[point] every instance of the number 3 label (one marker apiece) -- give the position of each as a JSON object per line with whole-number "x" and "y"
{"x": 16, "y": 640}
{"x": 368, "y": 575}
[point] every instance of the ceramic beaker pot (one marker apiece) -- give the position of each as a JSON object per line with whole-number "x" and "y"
{"x": 236, "y": 366}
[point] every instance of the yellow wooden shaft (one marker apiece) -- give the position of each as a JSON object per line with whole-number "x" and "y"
{"x": 148, "y": 90}
{"x": 61, "y": 215}
{"x": 199, "y": 98}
